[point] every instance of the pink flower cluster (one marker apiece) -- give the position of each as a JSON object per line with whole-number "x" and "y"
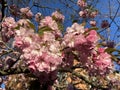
{"x": 40, "y": 53}
{"x": 8, "y": 26}
{"x": 26, "y": 12}
{"x": 58, "y": 16}
{"x": 82, "y": 3}
{"x": 102, "y": 61}
{"x": 86, "y": 12}
{"x": 44, "y": 53}
{"x": 49, "y": 22}
{"x": 83, "y": 44}
{"x": 75, "y": 36}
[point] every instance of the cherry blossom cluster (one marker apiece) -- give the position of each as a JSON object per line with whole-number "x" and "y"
{"x": 42, "y": 53}
{"x": 45, "y": 51}
{"x": 82, "y": 3}
{"x": 86, "y": 11}
{"x": 83, "y": 44}
{"x": 50, "y": 23}
{"x": 102, "y": 62}
{"x": 26, "y": 12}
{"x": 20, "y": 12}
{"x": 58, "y": 16}
{"x": 8, "y": 26}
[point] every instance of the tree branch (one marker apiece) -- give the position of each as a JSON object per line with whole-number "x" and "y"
{"x": 3, "y": 8}
{"x": 14, "y": 71}
{"x": 82, "y": 77}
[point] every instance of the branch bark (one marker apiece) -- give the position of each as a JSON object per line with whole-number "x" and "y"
{"x": 13, "y": 71}
{"x": 3, "y": 8}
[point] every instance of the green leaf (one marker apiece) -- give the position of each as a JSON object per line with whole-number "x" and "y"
{"x": 60, "y": 26}
{"x": 43, "y": 29}
{"x": 110, "y": 50}
{"x": 93, "y": 28}
{"x": 18, "y": 27}
{"x": 31, "y": 25}
{"x": 114, "y": 58}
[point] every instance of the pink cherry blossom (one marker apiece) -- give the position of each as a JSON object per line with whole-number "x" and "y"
{"x": 92, "y": 37}
{"x": 27, "y": 12}
{"x": 38, "y": 17}
{"x": 81, "y": 3}
{"x": 93, "y": 23}
{"x": 79, "y": 40}
{"x": 94, "y": 14}
{"x": 8, "y": 28}
{"x": 102, "y": 61}
{"x": 48, "y": 21}
{"x": 82, "y": 14}
{"x": 40, "y": 53}
{"x": 84, "y": 46}
{"x": 48, "y": 36}
{"x": 58, "y": 16}
{"x": 9, "y": 22}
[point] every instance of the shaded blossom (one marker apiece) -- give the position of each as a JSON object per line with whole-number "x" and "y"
{"x": 8, "y": 26}
{"x": 26, "y": 12}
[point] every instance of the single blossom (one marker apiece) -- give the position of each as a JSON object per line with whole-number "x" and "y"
{"x": 38, "y": 17}
{"x": 93, "y": 23}
{"x": 82, "y": 3}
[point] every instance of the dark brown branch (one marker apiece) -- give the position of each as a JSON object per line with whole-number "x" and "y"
{"x": 14, "y": 71}
{"x": 43, "y": 6}
{"x": 82, "y": 77}
{"x": 3, "y": 8}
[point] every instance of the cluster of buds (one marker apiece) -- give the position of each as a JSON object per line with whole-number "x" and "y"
{"x": 58, "y": 16}
{"x": 105, "y": 24}
{"x": 86, "y": 12}
{"x": 26, "y": 12}
{"x": 20, "y": 12}
{"x": 14, "y": 10}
